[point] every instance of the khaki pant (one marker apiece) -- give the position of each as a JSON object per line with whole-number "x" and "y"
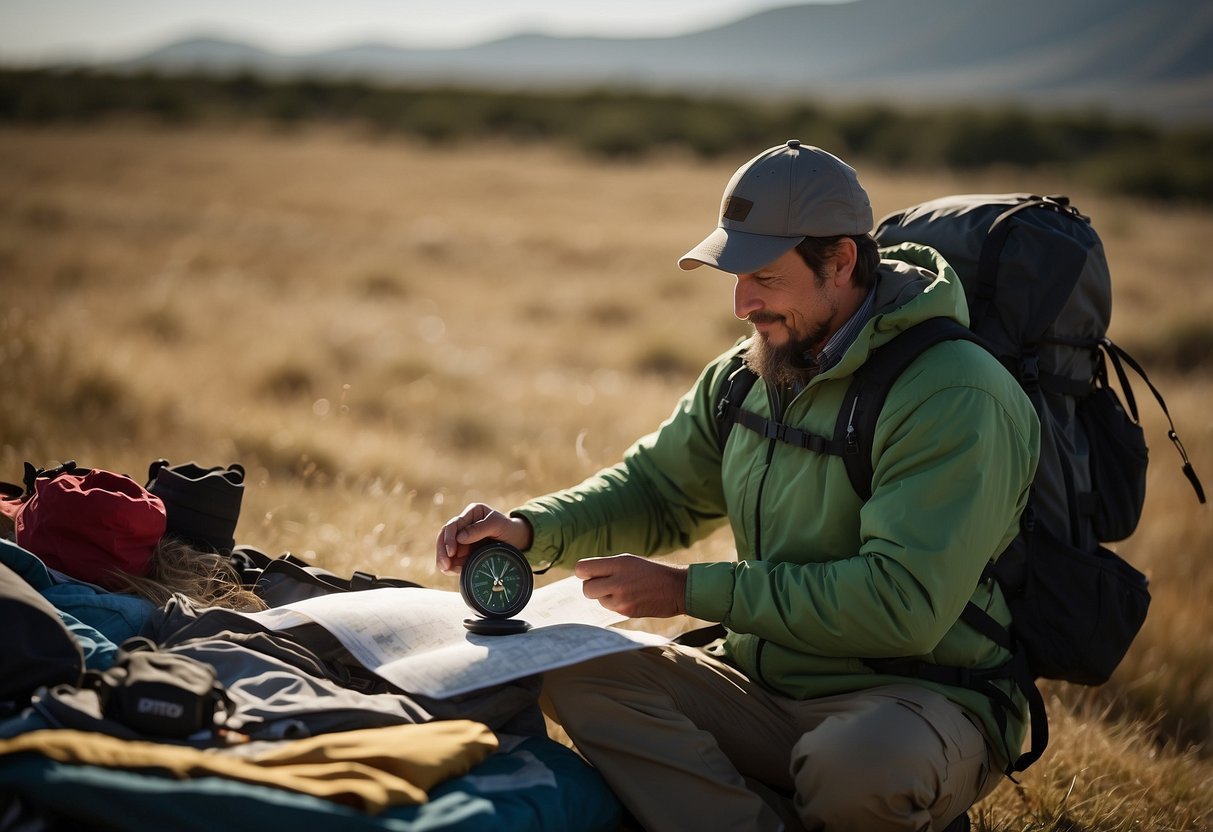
{"x": 689, "y": 743}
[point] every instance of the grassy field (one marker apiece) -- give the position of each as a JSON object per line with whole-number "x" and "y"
{"x": 382, "y": 332}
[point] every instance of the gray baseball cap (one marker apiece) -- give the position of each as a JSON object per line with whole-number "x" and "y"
{"x": 775, "y": 200}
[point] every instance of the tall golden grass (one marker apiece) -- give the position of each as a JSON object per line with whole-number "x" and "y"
{"x": 383, "y": 332}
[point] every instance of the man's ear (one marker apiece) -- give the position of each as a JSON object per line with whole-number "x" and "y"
{"x": 845, "y": 255}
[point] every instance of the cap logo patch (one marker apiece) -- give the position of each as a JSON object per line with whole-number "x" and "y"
{"x": 737, "y": 209}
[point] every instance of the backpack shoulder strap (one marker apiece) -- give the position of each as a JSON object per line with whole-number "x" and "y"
{"x": 856, "y": 425}
{"x": 738, "y": 381}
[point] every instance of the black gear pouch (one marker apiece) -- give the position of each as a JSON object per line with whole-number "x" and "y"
{"x": 1076, "y": 613}
{"x": 160, "y": 694}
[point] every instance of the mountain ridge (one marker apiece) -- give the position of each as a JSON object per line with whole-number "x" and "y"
{"x": 1152, "y": 60}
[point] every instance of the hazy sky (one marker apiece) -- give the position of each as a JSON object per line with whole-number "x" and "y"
{"x": 36, "y": 31}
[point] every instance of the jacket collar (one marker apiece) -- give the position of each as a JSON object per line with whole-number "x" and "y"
{"x": 914, "y": 283}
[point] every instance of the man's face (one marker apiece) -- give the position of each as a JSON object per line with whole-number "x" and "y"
{"x": 792, "y": 310}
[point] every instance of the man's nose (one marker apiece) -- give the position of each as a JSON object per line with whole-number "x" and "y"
{"x": 745, "y": 298}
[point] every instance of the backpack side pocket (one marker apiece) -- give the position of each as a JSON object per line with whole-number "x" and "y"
{"x": 1119, "y": 459}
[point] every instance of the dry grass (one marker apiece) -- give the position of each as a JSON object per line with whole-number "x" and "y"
{"x": 382, "y": 333}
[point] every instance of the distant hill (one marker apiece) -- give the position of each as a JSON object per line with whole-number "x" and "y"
{"x": 1142, "y": 57}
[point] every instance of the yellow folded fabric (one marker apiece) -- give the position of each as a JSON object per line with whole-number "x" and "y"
{"x": 369, "y": 769}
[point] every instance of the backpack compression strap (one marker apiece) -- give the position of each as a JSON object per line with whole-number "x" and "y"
{"x": 1117, "y": 355}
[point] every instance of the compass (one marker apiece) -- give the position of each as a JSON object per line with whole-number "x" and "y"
{"x": 496, "y": 582}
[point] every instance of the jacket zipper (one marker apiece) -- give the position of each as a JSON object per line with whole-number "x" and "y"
{"x": 774, "y": 399}
{"x": 776, "y": 404}
{"x": 758, "y": 503}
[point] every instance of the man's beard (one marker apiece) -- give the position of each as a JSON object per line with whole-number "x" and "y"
{"x": 787, "y": 365}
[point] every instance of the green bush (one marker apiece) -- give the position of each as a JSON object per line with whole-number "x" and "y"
{"x": 616, "y": 132}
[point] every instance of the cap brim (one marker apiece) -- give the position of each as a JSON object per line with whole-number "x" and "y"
{"x": 737, "y": 252}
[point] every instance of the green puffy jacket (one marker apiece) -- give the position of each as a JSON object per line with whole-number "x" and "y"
{"x": 822, "y": 580}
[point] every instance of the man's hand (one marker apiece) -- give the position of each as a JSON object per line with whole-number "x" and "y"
{"x": 475, "y": 523}
{"x": 634, "y": 586}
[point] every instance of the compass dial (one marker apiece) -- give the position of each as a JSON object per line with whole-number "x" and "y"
{"x": 496, "y": 580}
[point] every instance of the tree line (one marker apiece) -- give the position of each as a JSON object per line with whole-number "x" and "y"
{"x": 1109, "y": 153}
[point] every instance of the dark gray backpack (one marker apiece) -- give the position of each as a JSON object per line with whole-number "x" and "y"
{"x": 1040, "y": 299}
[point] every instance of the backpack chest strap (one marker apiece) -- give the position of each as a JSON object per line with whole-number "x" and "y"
{"x": 861, "y": 406}
{"x": 786, "y": 433}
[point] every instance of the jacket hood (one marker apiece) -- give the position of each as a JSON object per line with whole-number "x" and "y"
{"x": 913, "y": 283}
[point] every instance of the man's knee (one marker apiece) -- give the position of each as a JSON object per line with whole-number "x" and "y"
{"x": 887, "y": 767}
{"x": 847, "y": 778}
